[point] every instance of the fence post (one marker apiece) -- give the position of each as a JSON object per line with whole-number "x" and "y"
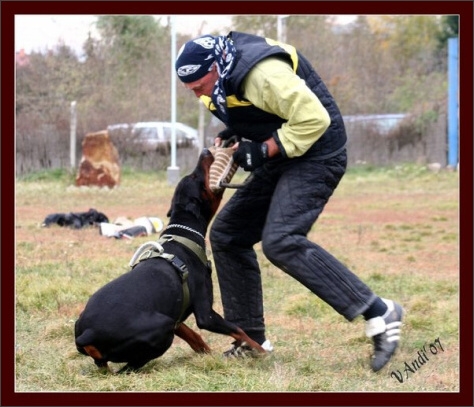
{"x": 453, "y": 101}
{"x": 72, "y": 138}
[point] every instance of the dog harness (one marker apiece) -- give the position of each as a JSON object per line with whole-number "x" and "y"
{"x": 153, "y": 249}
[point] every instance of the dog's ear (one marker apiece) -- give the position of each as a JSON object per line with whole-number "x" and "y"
{"x": 194, "y": 206}
{"x": 169, "y": 213}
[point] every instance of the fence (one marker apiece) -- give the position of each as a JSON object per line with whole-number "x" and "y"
{"x": 380, "y": 140}
{"x": 385, "y": 140}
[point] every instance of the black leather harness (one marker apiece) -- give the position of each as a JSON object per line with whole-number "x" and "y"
{"x": 154, "y": 249}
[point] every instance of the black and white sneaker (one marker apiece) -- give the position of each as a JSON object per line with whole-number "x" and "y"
{"x": 385, "y": 332}
{"x": 242, "y": 350}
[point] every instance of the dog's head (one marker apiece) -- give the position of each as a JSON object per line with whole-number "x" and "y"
{"x": 193, "y": 194}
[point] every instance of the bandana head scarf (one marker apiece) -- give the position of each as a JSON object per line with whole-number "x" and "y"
{"x": 195, "y": 60}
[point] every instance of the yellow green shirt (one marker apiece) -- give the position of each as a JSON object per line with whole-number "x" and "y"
{"x": 272, "y": 85}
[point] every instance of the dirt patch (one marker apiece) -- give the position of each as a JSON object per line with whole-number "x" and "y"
{"x": 401, "y": 231}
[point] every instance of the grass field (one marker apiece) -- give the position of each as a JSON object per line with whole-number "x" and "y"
{"x": 397, "y": 228}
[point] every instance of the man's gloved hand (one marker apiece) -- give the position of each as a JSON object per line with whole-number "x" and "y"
{"x": 226, "y": 138}
{"x": 250, "y": 155}
{"x": 226, "y": 133}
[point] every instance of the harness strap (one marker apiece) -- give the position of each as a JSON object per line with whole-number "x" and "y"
{"x": 193, "y": 246}
{"x": 183, "y": 273}
{"x": 151, "y": 250}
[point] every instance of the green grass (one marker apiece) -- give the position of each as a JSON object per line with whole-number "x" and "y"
{"x": 397, "y": 228}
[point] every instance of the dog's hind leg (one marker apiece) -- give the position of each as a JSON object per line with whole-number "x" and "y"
{"x": 212, "y": 321}
{"x": 192, "y": 338}
{"x": 242, "y": 337}
{"x": 94, "y": 353}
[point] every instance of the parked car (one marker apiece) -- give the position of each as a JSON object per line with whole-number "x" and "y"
{"x": 156, "y": 136}
{"x": 153, "y": 136}
{"x": 383, "y": 123}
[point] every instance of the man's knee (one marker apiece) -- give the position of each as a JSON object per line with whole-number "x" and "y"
{"x": 273, "y": 247}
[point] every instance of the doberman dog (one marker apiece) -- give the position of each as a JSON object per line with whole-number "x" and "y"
{"x": 133, "y": 318}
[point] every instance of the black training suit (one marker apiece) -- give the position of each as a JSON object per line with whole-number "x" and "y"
{"x": 280, "y": 205}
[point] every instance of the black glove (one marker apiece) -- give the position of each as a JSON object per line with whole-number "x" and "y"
{"x": 226, "y": 133}
{"x": 228, "y": 137}
{"x": 251, "y": 155}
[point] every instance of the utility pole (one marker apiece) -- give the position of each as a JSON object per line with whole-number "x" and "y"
{"x": 173, "y": 169}
{"x": 281, "y": 27}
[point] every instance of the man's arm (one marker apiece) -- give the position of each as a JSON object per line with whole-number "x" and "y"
{"x": 273, "y": 87}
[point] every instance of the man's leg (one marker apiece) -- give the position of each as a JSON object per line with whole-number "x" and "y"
{"x": 299, "y": 198}
{"x": 235, "y": 230}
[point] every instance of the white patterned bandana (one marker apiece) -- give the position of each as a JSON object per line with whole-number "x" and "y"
{"x": 225, "y": 55}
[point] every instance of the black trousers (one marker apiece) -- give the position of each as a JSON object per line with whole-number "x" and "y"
{"x": 279, "y": 207}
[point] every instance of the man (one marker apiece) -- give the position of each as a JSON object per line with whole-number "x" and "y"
{"x": 292, "y": 138}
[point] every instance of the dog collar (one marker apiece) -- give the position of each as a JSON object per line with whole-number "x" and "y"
{"x": 177, "y": 225}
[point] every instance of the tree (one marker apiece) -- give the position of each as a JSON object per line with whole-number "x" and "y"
{"x": 130, "y": 65}
{"x": 130, "y": 38}
{"x": 449, "y": 28}
{"x": 44, "y": 88}
{"x": 264, "y": 25}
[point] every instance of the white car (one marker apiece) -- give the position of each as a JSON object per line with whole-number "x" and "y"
{"x": 156, "y": 136}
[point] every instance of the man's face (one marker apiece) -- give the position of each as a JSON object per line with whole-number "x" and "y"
{"x": 204, "y": 85}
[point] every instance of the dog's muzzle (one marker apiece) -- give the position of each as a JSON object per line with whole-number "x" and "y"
{"x": 222, "y": 169}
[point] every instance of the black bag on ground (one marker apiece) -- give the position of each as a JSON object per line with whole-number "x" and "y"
{"x": 76, "y": 220}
